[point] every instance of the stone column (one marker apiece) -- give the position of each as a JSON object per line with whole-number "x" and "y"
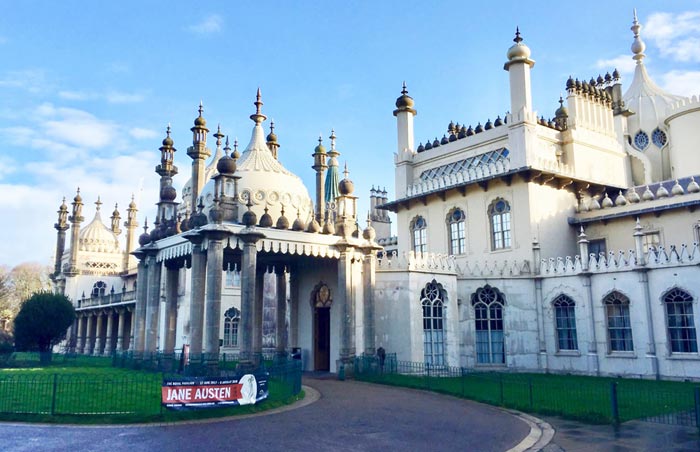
{"x": 593, "y": 363}
{"x": 89, "y": 337}
{"x": 258, "y": 313}
{"x": 281, "y": 312}
{"x": 132, "y": 326}
{"x": 347, "y": 304}
{"x": 138, "y": 319}
{"x": 249, "y": 264}
{"x": 109, "y": 345}
{"x": 215, "y": 264}
{"x": 368, "y": 282}
{"x": 199, "y": 269}
{"x": 172, "y": 280}
{"x": 80, "y": 347}
{"x": 152, "y": 305}
{"x": 99, "y": 334}
{"x": 120, "y": 331}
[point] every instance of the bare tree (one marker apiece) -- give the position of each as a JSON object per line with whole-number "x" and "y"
{"x": 18, "y": 285}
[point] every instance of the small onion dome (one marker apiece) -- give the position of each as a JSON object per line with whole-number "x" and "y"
{"x": 662, "y": 192}
{"x": 570, "y": 83}
{"x": 144, "y": 239}
{"x": 249, "y": 217}
{"x": 453, "y": 137}
{"x": 298, "y": 225}
{"x": 608, "y": 77}
{"x": 265, "y": 219}
{"x": 677, "y": 190}
{"x": 328, "y": 227}
{"x": 451, "y": 127}
{"x": 216, "y": 213}
{"x": 421, "y": 148}
{"x": 115, "y": 213}
{"x": 594, "y": 204}
{"x": 562, "y": 111}
{"x": 346, "y": 186}
{"x": 199, "y": 120}
{"x": 693, "y": 186}
{"x": 518, "y": 51}
{"x": 647, "y": 195}
{"x": 607, "y": 202}
{"x": 78, "y": 198}
{"x": 369, "y": 233}
{"x": 632, "y": 196}
{"x": 404, "y": 102}
{"x": 185, "y": 223}
{"x": 428, "y": 145}
{"x": 226, "y": 165}
{"x": 479, "y": 128}
{"x": 313, "y": 227}
{"x": 592, "y": 82}
{"x": 498, "y": 122}
{"x": 470, "y": 131}
{"x": 444, "y": 140}
{"x": 436, "y": 143}
{"x": 577, "y": 84}
{"x": 282, "y": 221}
{"x": 488, "y": 125}
{"x": 167, "y": 141}
{"x": 320, "y": 149}
{"x": 600, "y": 79}
{"x": 620, "y": 200}
{"x": 132, "y": 204}
{"x": 168, "y": 193}
{"x": 272, "y": 136}
{"x": 462, "y": 133}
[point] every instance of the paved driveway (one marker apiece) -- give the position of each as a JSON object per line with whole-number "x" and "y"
{"x": 349, "y": 416}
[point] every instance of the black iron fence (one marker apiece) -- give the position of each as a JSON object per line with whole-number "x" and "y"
{"x": 589, "y": 399}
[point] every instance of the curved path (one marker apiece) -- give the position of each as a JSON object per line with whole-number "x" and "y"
{"x": 349, "y": 416}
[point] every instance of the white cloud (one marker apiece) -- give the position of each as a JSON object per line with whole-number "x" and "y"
{"x": 75, "y": 95}
{"x": 676, "y": 35}
{"x": 140, "y": 133}
{"x": 76, "y": 127}
{"x": 685, "y": 83}
{"x": 7, "y": 166}
{"x": 209, "y": 25}
{"x": 115, "y": 97}
{"x": 32, "y": 80}
{"x": 623, "y": 63}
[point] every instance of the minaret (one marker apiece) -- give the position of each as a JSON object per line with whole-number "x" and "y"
{"x": 131, "y": 224}
{"x": 272, "y": 140}
{"x": 518, "y": 67}
{"x": 320, "y": 167}
{"x": 116, "y": 217}
{"x": 76, "y": 218}
{"x": 346, "y": 213}
{"x": 227, "y": 204}
{"x": 404, "y": 120}
{"x": 61, "y": 226}
{"x": 199, "y": 153}
{"x": 332, "y": 180}
{"x": 166, "y": 170}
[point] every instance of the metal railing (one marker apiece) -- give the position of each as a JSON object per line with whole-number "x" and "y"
{"x": 588, "y": 399}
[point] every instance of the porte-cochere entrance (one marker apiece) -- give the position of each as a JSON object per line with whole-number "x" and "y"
{"x": 322, "y": 327}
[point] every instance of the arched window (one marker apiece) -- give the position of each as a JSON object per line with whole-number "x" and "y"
{"x": 565, "y": 318}
{"x": 433, "y": 302}
{"x": 418, "y": 229}
{"x": 681, "y": 324}
{"x": 455, "y": 227}
{"x": 488, "y": 305}
{"x": 641, "y": 140}
{"x": 99, "y": 289}
{"x": 658, "y": 137}
{"x": 499, "y": 217}
{"x": 231, "y": 319}
{"x": 617, "y": 313}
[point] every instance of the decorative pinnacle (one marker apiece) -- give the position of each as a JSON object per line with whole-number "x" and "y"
{"x": 98, "y": 203}
{"x": 346, "y": 173}
{"x": 332, "y": 137}
{"x": 167, "y": 130}
{"x": 227, "y": 148}
{"x": 272, "y": 125}
{"x": 517, "y": 38}
{"x": 561, "y": 101}
{"x": 404, "y": 90}
{"x": 218, "y": 135}
{"x": 235, "y": 154}
{"x": 145, "y": 226}
{"x": 258, "y": 117}
{"x": 201, "y": 108}
{"x": 638, "y": 45}
{"x": 320, "y": 139}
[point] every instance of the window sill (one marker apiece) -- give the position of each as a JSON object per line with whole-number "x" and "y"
{"x": 501, "y": 250}
{"x": 677, "y": 356}
{"x": 624, "y": 355}
{"x": 568, "y": 353}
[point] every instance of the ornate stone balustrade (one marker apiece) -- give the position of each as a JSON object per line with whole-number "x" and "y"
{"x": 430, "y": 262}
{"x": 107, "y": 299}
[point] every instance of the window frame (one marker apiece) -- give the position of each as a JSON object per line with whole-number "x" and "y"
{"x": 456, "y": 226}
{"x": 434, "y": 306}
{"x": 626, "y": 338}
{"x": 232, "y": 319}
{"x": 489, "y": 313}
{"x": 563, "y": 304}
{"x": 682, "y": 303}
{"x": 500, "y": 225}
{"x": 419, "y": 235}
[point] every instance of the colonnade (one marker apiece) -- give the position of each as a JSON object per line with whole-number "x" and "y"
{"x": 103, "y": 331}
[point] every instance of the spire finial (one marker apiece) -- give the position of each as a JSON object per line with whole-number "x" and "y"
{"x": 332, "y": 137}
{"x": 272, "y": 125}
{"x": 227, "y": 148}
{"x": 258, "y": 117}
{"x": 404, "y": 90}
{"x": 98, "y": 203}
{"x": 320, "y": 139}
{"x": 201, "y": 108}
{"x": 346, "y": 173}
{"x": 167, "y": 130}
{"x": 218, "y": 135}
{"x": 638, "y": 45}
{"x": 517, "y": 38}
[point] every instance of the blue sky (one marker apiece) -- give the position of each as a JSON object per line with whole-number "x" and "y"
{"x": 87, "y": 88}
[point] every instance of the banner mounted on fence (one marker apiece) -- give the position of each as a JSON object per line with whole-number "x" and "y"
{"x": 207, "y": 392}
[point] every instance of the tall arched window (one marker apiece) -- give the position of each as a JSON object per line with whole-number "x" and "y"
{"x": 488, "y": 305}
{"x": 617, "y": 313}
{"x": 99, "y": 289}
{"x": 231, "y": 319}
{"x": 499, "y": 217}
{"x": 455, "y": 227}
{"x": 565, "y": 318}
{"x": 418, "y": 229}
{"x": 433, "y": 302}
{"x": 681, "y": 323}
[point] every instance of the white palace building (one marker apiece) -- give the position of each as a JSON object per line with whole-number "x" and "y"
{"x": 525, "y": 244}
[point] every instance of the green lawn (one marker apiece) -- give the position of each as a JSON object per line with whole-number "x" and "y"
{"x": 98, "y": 395}
{"x": 577, "y": 397}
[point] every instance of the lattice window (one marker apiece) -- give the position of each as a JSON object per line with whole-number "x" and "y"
{"x": 641, "y": 140}
{"x": 99, "y": 289}
{"x": 419, "y": 230}
{"x": 232, "y": 318}
{"x": 433, "y": 302}
{"x": 499, "y": 155}
{"x": 456, "y": 221}
{"x": 565, "y": 318}
{"x": 499, "y": 217}
{"x": 681, "y": 323}
{"x": 617, "y": 311}
{"x": 658, "y": 137}
{"x": 488, "y": 304}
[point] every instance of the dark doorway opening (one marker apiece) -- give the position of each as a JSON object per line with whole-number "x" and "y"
{"x": 322, "y": 338}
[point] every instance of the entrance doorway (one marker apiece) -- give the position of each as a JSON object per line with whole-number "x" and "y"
{"x": 322, "y": 339}
{"x": 321, "y": 301}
